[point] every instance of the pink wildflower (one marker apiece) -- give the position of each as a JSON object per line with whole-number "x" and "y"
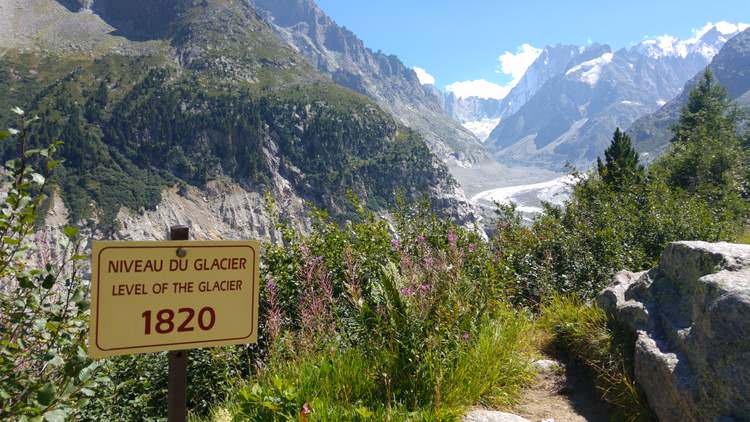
{"x": 407, "y": 291}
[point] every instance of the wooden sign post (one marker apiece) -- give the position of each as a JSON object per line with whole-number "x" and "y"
{"x": 178, "y": 359}
{"x": 173, "y": 296}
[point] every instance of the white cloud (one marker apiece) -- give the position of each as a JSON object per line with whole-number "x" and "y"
{"x": 724, "y": 27}
{"x": 516, "y": 64}
{"x": 511, "y": 64}
{"x": 424, "y": 77}
{"x": 478, "y": 88}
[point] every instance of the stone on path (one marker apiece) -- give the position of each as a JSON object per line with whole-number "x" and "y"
{"x": 492, "y": 416}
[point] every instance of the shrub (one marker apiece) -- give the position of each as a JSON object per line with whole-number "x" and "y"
{"x": 362, "y": 323}
{"x": 137, "y": 384}
{"x": 44, "y": 370}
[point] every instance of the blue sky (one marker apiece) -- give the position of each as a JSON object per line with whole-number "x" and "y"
{"x": 458, "y": 40}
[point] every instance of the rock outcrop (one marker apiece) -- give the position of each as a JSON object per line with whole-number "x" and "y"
{"x": 691, "y": 315}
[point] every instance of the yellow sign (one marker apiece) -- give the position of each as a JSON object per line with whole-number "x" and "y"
{"x": 175, "y": 295}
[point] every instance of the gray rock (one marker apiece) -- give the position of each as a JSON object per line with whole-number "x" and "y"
{"x": 691, "y": 315}
{"x": 546, "y": 365}
{"x": 492, "y": 416}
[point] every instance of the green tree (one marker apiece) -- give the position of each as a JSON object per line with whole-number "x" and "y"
{"x": 706, "y": 157}
{"x": 621, "y": 167}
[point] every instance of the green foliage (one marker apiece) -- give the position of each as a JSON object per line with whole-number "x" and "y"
{"x": 137, "y": 386}
{"x": 494, "y": 367}
{"x": 277, "y": 403}
{"x": 582, "y": 331}
{"x": 620, "y": 168}
{"x": 621, "y": 217}
{"x": 44, "y": 370}
{"x": 361, "y": 323}
{"x": 133, "y": 126}
{"x": 334, "y": 386}
{"x": 706, "y": 157}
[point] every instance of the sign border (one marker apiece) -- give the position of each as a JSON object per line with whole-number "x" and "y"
{"x": 177, "y": 244}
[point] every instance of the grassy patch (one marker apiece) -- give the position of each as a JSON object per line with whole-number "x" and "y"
{"x": 582, "y": 332}
{"x": 351, "y": 384}
{"x": 495, "y": 367}
{"x": 744, "y": 238}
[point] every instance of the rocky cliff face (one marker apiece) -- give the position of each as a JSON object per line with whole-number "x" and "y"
{"x": 691, "y": 317}
{"x": 338, "y": 52}
{"x": 196, "y": 112}
{"x": 553, "y": 61}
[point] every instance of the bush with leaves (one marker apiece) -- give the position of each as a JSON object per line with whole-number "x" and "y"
{"x": 44, "y": 370}
{"x": 621, "y": 216}
{"x": 415, "y": 305}
{"x": 137, "y": 384}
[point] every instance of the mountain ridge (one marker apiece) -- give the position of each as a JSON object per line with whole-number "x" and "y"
{"x": 339, "y": 53}
{"x": 570, "y": 119}
{"x": 213, "y": 95}
{"x": 651, "y": 133}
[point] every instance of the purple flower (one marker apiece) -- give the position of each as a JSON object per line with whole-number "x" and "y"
{"x": 465, "y": 337}
{"x": 472, "y": 247}
{"x": 305, "y": 250}
{"x": 425, "y": 288}
{"x": 452, "y": 236}
{"x": 395, "y": 243}
{"x": 407, "y": 291}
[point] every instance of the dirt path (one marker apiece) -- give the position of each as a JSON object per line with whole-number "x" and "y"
{"x": 562, "y": 394}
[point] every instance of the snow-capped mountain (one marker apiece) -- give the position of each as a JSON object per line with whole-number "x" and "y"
{"x": 478, "y": 115}
{"x": 552, "y": 61}
{"x": 707, "y": 42}
{"x": 571, "y": 117}
{"x": 482, "y": 115}
{"x": 651, "y": 133}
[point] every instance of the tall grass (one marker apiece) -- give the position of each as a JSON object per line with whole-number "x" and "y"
{"x": 493, "y": 369}
{"x": 582, "y": 331}
{"x": 349, "y": 384}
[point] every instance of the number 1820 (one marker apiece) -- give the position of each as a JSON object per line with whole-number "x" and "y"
{"x": 165, "y": 320}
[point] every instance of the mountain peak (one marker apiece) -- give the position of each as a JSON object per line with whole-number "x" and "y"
{"x": 706, "y": 42}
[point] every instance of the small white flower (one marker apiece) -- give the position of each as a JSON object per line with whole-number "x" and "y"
{"x": 17, "y": 110}
{"x": 37, "y": 178}
{"x": 14, "y": 131}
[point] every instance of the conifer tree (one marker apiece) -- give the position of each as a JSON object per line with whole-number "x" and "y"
{"x": 621, "y": 167}
{"x": 706, "y": 155}
{"x": 708, "y": 110}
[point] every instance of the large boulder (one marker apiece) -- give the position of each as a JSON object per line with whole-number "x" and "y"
{"x": 691, "y": 317}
